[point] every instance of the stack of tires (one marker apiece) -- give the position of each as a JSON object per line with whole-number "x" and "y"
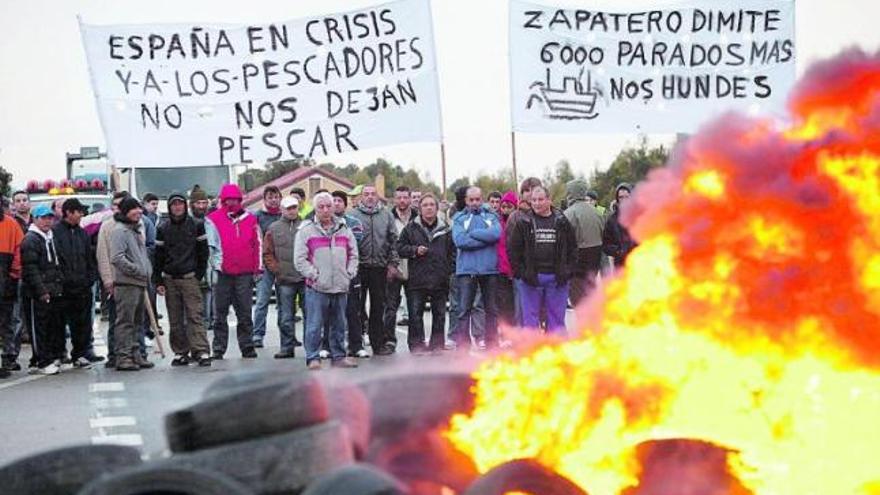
{"x": 264, "y": 433}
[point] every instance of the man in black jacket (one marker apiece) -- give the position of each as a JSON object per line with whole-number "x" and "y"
{"x": 181, "y": 260}
{"x": 542, "y": 249}
{"x": 427, "y": 243}
{"x": 79, "y": 271}
{"x": 41, "y": 283}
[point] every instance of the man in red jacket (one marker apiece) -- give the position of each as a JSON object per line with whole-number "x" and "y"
{"x": 234, "y": 239}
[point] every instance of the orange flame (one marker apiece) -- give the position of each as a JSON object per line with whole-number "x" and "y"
{"x": 749, "y": 316}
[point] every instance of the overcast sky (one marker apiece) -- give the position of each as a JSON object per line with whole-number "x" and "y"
{"x": 48, "y": 109}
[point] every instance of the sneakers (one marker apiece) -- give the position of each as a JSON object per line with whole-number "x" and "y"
{"x": 324, "y": 354}
{"x": 314, "y": 365}
{"x": 127, "y": 365}
{"x": 362, "y": 353}
{"x": 180, "y": 360}
{"x": 344, "y": 363}
{"x": 49, "y": 369}
{"x": 285, "y": 355}
{"x": 82, "y": 363}
{"x": 249, "y": 354}
{"x": 204, "y": 360}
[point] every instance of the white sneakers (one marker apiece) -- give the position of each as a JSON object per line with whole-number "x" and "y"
{"x": 362, "y": 353}
{"x": 82, "y": 363}
{"x": 324, "y": 354}
{"x": 49, "y": 369}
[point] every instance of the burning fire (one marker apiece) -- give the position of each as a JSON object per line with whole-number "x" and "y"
{"x": 749, "y": 316}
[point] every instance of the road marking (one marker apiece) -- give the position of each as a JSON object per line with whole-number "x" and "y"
{"x": 109, "y": 403}
{"x": 96, "y": 388}
{"x": 21, "y": 380}
{"x": 128, "y": 439}
{"x": 112, "y": 421}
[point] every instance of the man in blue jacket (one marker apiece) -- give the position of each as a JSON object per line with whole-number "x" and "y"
{"x": 475, "y": 232}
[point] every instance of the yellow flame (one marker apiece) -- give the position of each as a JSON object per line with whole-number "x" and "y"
{"x": 708, "y": 183}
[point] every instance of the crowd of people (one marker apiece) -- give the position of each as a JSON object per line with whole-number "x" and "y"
{"x": 345, "y": 263}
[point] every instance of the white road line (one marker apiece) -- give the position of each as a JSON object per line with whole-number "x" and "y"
{"x": 109, "y": 403}
{"x": 20, "y": 381}
{"x": 112, "y": 421}
{"x": 96, "y": 388}
{"x": 129, "y": 439}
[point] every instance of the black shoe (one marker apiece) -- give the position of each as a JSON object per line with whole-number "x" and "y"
{"x": 297, "y": 343}
{"x": 93, "y": 358}
{"x": 403, "y": 322}
{"x": 127, "y": 365}
{"x": 258, "y": 344}
{"x": 204, "y": 360}
{"x": 5, "y": 373}
{"x": 391, "y": 348}
{"x": 383, "y": 351}
{"x": 285, "y": 355}
{"x": 143, "y": 363}
{"x": 110, "y": 363}
{"x": 10, "y": 363}
{"x": 65, "y": 359}
{"x": 217, "y": 356}
{"x": 249, "y": 354}
{"x": 181, "y": 360}
{"x": 297, "y": 318}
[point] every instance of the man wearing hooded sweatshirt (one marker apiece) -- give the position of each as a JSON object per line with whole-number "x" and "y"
{"x": 269, "y": 214}
{"x": 427, "y": 243}
{"x": 378, "y": 265}
{"x": 476, "y": 231}
{"x": 542, "y": 250}
{"x": 235, "y": 243}
{"x": 181, "y": 261}
{"x": 41, "y": 287}
{"x": 198, "y": 205}
{"x": 131, "y": 275}
{"x": 616, "y": 241}
{"x": 588, "y": 229}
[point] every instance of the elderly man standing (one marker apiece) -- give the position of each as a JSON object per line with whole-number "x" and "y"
{"x": 278, "y": 258}
{"x": 476, "y": 231}
{"x": 326, "y": 253}
{"x": 235, "y": 242}
{"x": 378, "y": 265}
{"x": 588, "y": 227}
{"x": 131, "y": 276}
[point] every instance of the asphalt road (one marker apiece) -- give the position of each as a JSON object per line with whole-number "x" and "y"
{"x": 99, "y": 405}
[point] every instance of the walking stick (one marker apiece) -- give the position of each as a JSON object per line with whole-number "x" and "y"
{"x": 154, "y": 325}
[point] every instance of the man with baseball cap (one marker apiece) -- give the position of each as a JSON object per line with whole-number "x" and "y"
{"x": 79, "y": 271}
{"x": 278, "y": 258}
{"x": 41, "y": 286}
{"x": 181, "y": 260}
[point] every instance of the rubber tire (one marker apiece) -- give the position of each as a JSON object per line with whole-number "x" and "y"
{"x": 247, "y": 414}
{"x": 420, "y": 401}
{"x": 421, "y": 458}
{"x": 65, "y": 471}
{"x": 523, "y": 475}
{"x": 357, "y": 479}
{"x": 347, "y": 403}
{"x": 277, "y": 464}
{"x": 151, "y": 479}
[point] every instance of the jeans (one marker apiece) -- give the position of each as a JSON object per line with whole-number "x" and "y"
{"x": 352, "y": 319}
{"x": 373, "y": 284}
{"x": 264, "y": 293}
{"x": 477, "y": 326}
{"x": 547, "y": 295}
{"x": 467, "y": 298}
{"x": 235, "y": 290}
{"x": 323, "y": 307}
{"x": 416, "y": 300}
{"x": 286, "y": 295}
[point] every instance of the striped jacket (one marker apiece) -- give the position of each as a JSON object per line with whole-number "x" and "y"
{"x": 328, "y": 259}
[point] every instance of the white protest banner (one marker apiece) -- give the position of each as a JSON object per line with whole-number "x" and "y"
{"x": 648, "y": 70}
{"x": 192, "y": 94}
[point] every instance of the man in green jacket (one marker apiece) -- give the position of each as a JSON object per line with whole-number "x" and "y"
{"x": 588, "y": 227}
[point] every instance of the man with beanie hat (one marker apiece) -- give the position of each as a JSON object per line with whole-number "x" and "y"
{"x": 266, "y": 216}
{"x": 131, "y": 276}
{"x": 235, "y": 260}
{"x": 198, "y": 202}
{"x": 181, "y": 261}
{"x": 588, "y": 229}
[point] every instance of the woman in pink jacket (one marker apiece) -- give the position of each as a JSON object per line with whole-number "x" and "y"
{"x": 506, "y": 299}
